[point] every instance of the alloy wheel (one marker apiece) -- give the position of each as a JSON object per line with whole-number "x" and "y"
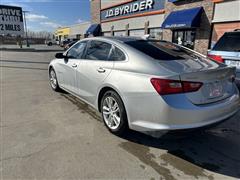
{"x": 111, "y": 113}
{"x": 53, "y": 79}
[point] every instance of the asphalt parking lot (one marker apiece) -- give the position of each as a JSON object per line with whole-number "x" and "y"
{"x": 48, "y": 135}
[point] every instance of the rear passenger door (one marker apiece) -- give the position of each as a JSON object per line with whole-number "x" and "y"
{"x": 93, "y": 69}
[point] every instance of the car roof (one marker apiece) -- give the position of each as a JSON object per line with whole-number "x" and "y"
{"x": 233, "y": 32}
{"x": 122, "y": 38}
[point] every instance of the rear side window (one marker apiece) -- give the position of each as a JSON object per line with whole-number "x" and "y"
{"x": 117, "y": 55}
{"x": 228, "y": 42}
{"x": 98, "y": 50}
{"x": 161, "y": 50}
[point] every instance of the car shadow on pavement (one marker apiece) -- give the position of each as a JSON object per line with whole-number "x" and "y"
{"x": 25, "y": 62}
{"x": 216, "y": 149}
{"x": 20, "y": 64}
{"x": 26, "y": 68}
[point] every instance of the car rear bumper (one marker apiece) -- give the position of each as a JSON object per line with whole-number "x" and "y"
{"x": 237, "y": 81}
{"x": 175, "y": 112}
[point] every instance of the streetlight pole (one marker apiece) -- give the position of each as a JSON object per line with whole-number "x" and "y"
{"x": 25, "y": 24}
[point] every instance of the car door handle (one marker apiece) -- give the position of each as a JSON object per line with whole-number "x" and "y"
{"x": 74, "y": 65}
{"x": 101, "y": 70}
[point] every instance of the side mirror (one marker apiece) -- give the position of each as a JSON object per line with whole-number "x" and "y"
{"x": 60, "y": 56}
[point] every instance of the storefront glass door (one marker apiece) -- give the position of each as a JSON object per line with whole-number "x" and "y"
{"x": 120, "y": 33}
{"x": 184, "y": 37}
{"x": 137, "y": 32}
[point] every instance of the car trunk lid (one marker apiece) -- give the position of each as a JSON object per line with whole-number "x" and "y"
{"x": 217, "y": 84}
{"x": 216, "y": 78}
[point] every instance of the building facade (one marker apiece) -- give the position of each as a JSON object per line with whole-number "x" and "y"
{"x": 73, "y": 32}
{"x": 196, "y": 24}
{"x": 226, "y": 18}
{"x": 62, "y": 33}
{"x": 132, "y": 18}
{"x": 195, "y": 37}
{"x": 78, "y": 31}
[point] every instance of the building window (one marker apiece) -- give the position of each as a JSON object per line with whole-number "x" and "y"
{"x": 65, "y": 36}
{"x": 156, "y": 33}
{"x": 78, "y": 36}
{"x": 184, "y": 37}
{"x": 137, "y": 32}
{"x": 119, "y": 33}
{"x": 107, "y": 34}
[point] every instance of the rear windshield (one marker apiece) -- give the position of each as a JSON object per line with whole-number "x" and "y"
{"x": 228, "y": 42}
{"x": 161, "y": 50}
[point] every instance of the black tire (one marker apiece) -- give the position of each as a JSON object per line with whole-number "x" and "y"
{"x": 56, "y": 86}
{"x": 123, "y": 126}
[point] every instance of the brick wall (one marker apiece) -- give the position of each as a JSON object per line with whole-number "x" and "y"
{"x": 204, "y": 32}
{"x": 95, "y": 11}
{"x": 107, "y": 3}
{"x": 96, "y": 6}
{"x": 220, "y": 28}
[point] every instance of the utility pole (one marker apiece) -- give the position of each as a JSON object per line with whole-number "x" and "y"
{"x": 25, "y": 24}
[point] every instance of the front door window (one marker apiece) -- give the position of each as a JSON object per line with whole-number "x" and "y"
{"x": 184, "y": 37}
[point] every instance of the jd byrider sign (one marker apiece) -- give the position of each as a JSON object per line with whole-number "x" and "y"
{"x": 132, "y": 8}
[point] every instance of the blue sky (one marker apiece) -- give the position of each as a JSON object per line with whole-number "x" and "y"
{"x": 47, "y": 15}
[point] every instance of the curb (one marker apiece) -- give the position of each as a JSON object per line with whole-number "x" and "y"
{"x": 30, "y": 50}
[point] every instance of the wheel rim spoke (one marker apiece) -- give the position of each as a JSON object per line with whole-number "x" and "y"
{"x": 105, "y": 108}
{"x": 110, "y": 124}
{"x": 116, "y": 110}
{"x": 109, "y": 101}
{"x": 105, "y": 112}
{"x": 116, "y": 120}
{"x": 115, "y": 107}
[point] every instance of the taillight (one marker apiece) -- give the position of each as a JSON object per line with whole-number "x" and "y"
{"x": 216, "y": 58}
{"x": 167, "y": 86}
{"x": 191, "y": 86}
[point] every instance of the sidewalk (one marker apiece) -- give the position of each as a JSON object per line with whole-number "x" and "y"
{"x": 32, "y": 48}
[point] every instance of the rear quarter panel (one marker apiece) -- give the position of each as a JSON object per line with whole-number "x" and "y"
{"x": 131, "y": 80}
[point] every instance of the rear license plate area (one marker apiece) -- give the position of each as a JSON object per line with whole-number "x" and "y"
{"x": 215, "y": 89}
{"x": 233, "y": 63}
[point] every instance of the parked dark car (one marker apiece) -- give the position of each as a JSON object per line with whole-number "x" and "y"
{"x": 64, "y": 42}
{"x": 227, "y": 50}
{"x": 67, "y": 41}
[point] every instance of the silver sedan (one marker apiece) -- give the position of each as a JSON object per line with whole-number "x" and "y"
{"x": 146, "y": 85}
